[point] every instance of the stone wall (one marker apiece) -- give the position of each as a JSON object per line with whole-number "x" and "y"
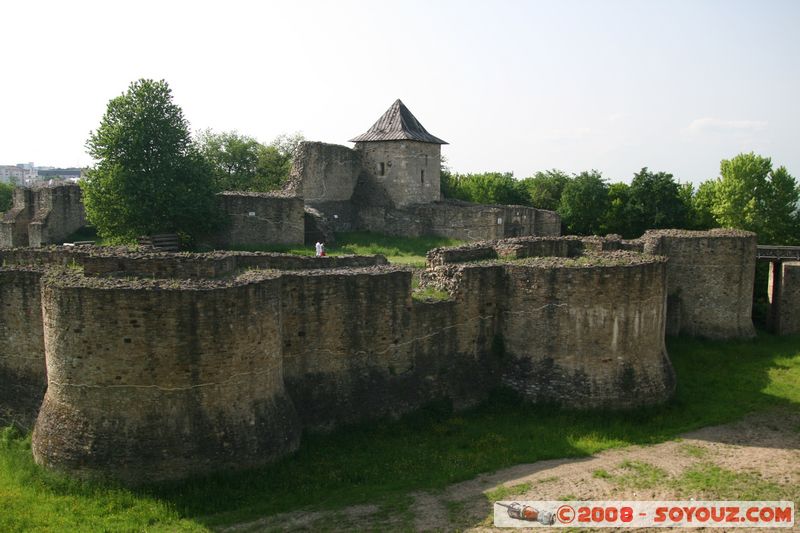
{"x": 350, "y": 190}
{"x": 521, "y": 248}
{"x": 786, "y": 319}
{"x": 150, "y": 381}
{"x": 710, "y": 280}
{"x": 458, "y": 220}
{"x": 59, "y": 213}
{"x": 23, "y": 378}
{"x": 324, "y": 172}
{"x": 257, "y": 219}
{"x": 357, "y": 347}
{"x": 408, "y": 171}
{"x": 588, "y": 334}
{"x": 120, "y": 261}
{"x": 14, "y": 224}
{"x": 42, "y": 215}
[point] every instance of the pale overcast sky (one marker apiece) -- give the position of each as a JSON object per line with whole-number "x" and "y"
{"x": 512, "y": 85}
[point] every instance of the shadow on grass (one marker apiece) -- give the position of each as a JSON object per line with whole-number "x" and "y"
{"x": 717, "y": 382}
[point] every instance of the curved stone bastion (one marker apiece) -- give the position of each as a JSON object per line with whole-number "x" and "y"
{"x": 151, "y": 380}
{"x": 588, "y": 332}
{"x": 165, "y": 366}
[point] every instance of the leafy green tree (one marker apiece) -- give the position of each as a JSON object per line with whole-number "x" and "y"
{"x": 782, "y": 221}
{"x": 750, "y": 195}
{"x": 654, "y": 202}
{"x": 485, "y": 188}
{"x": 545, "y": 188}
{"x": 700, "y": 202}
{"x": 149, "y": 177}
{"x": 616, "y": 219}
{"x": 584, "y": 203}
{"x": 6, "y": 196}
{"x": 241, "y": 163}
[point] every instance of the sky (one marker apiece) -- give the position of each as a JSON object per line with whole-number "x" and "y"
{"x": 518, "y": 86}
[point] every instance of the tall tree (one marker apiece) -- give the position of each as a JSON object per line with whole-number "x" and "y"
{"x": 654, "y": 202}
{"x": 584, "y": 203}
{"x": 241, "y": 163}
{"x": 545, "y": 188}
{"x": 750, "y": 195}
{"x": 781, "y": 203}
{"x": 485, "y": 188}
{"x": 149, "y": 177}
{"x": 617, "y": 218}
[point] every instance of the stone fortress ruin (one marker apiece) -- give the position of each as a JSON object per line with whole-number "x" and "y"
{"x": 388, "y": 183}
{"x": 145, "y": 366}
{"x": 41, "y": 215}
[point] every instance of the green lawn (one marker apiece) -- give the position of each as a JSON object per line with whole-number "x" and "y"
{"x": 401, "y": 250}
{"x": 381, "y": 462}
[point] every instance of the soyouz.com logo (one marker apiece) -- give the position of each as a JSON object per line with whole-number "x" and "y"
{"x": 727, "y": 514}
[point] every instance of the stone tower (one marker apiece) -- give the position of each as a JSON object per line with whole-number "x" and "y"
{"x": 401, "y": 156}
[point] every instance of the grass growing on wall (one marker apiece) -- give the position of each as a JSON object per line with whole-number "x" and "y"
{"x": 402, "y": 250}
{"x": 381, "y": 462}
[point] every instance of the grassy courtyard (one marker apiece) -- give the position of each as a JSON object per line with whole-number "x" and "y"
{"x": 402, "y": 250}
{"x": 381, "y": 463}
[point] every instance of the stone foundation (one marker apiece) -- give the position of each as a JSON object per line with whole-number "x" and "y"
{"x": 42, "y": 215}
{"x": 784, "y": 294}
{"x": 227, "y": 358}
{"x": 710, "y": 278}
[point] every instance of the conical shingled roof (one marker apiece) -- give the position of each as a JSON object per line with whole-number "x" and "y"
{"x": 397, "y": 124}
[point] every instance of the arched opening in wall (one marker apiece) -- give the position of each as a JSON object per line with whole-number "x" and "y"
{"x": 422, "y": 176}
{"x": 382, "y": 169}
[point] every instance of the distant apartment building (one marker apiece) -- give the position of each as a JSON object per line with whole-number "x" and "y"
{"x": 28, "y": 174}
{"x": 20, "y": 174}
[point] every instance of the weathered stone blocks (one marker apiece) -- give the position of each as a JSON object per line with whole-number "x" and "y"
{"x": 588, "y": 336}
{"x": 42, "y": 215}
{"x": 710, "y": 278}
{"x": 786, "y": 309}
{"x": 23, "y": 378}
{"x": 207, "y": 364}
{"x": 257, "y": 219}
{"x": 147, "y": 382}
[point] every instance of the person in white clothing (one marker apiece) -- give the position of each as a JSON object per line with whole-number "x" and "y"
{"x": 318, "y": 247}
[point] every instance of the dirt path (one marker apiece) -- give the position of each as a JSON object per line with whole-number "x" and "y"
{"x": 759, "y": 456}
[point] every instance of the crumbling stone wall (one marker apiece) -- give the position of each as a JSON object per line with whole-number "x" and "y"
{"x": 120, "y": 261}
{"x": 588, "y": 334}
{"x": 356, "y": 346}
{"x": 349, "y": 192}
{"x": 457, "y": 220}
{"x": 787, "y": 310}
{"x": 256, "y": 219}
{"x": 522, "y": 247}
{"x": 42, "y": 215}
{"x": 14, "y": 224}
{"x": 324, "y": 172}
{"x": 22, "y": 369}
{"x": 153, "y": 380}
{"x": 710, "y": 280}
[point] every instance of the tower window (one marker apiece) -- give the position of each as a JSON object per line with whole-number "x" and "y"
{"x": 382, "y": 169}
{"x": 422, "y": 176}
